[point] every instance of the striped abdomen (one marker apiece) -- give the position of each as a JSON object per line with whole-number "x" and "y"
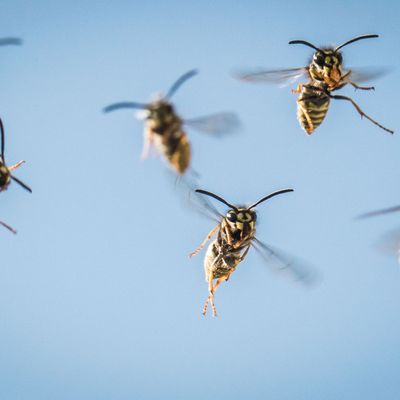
{"x": 222, "y": 259}
{"x": 312, "y": 107}
{"x": 176, "y": 149}
{"x": 171, "y": 141}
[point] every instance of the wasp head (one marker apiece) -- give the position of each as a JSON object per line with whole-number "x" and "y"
{"x": 241, "y": 222}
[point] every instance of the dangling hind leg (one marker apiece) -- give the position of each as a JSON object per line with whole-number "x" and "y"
{"x": 210, "y": 298}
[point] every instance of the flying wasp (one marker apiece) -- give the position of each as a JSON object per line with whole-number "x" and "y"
{"x": 326, "y": 74}
{"x": 5, "y": 172}
{"x": 164, "y": 129}
{"x": 235, "y": 235}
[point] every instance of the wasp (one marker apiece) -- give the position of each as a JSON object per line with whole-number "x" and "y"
{"x": 5, "y": 171}
{"x": 325, "y": 74}
{"x": 164, "y": 128}
{"x": 235, "y": 235}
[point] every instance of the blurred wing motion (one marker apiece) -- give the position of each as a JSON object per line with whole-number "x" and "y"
{"x": 124, "y": 105}
{"x": 282, "y": 77}
{"x": 13, "y": 41}
{"x": 218, "y": 124}
{"x": 283, "y": 262}
{"x": 360, "y": 75}
{"x": 204, "y": 207}
{"x": 379, "y": 212}
{"x": 389, "y": 244}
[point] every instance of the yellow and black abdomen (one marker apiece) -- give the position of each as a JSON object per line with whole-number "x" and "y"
{"x": 176, "y": 149}
{"x": 312, "y": 107}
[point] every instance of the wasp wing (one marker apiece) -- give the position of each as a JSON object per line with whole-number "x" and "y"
{"x": 379, "y": 212}
{"x": 360, "y": 75}
{"x": 282, "y": 77}
{"x": 281, "y": 261}
{"x": 389, "y": 244}
{"x": 218, "y": 124}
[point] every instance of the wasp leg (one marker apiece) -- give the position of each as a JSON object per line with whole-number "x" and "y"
{"x": 15, "y": 166}
{"x": 211, "y": 291}
{"x": 146, "y": 145}
{"x": 361, "y": 87}
{"x": 204, "y": 242}
{"x": 361, "y": 112}
{"x": 298, "y": 89}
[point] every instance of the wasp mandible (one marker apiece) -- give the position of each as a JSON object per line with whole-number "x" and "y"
{"x": 235, "y": 235}
{"x": 164, "y": 129}
{"x": 326, "y": 74}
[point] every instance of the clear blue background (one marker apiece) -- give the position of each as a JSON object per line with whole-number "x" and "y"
{"x": 98, "y": 299}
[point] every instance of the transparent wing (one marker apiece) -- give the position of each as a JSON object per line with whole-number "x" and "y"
{"x": 379, "y": 212}
{"x": 281, "y": 261}
{"x": 360, "y": 75}
{"x": 204, "y": 207}
{"x": 282, "y": 77}
{"x": 389, "y": 244}
{"x": 218, "y": 124}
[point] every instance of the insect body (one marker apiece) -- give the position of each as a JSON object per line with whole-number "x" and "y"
{"x": 325, "y": 73}
{"x": 5, "y": 171}
{"x": 235, "y": 235}
{"x": 164, "y": 129}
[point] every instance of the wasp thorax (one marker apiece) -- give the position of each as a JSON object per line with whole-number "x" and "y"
{"x": 4, "y": 176}
{"x": 161, "y": 110}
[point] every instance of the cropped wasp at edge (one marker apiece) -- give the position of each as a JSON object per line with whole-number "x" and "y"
{"x": 325, "y": 75}
{"x": 5, "y": 172}
{"x": 164, "y": 129}
{"x": 235, "y": 235}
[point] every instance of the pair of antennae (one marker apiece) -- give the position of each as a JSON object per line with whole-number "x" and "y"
{"x": 176, "y": 85}
{"x": 249, "y": 208}
{"x": 2, "y": 136}
{"x": 337, "y": 48}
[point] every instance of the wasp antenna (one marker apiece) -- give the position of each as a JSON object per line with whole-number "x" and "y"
{"x": 305, "y": 43}
{"x": 8, "y": 227}
{"x": 356, "y": 39}
{"x": 269, "y": 196}
{"x": 26, "y": 187}
{"x": 124, "y": 104}
{"x": 216, "y": 197}
{"x": 178, "y": 83}
{"x": 2, "y": 140}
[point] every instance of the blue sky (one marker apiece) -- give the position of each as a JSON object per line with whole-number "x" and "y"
{"x": 98, "y": 297}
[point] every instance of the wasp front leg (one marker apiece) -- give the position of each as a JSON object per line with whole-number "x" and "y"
{"x": 148, "y": 141}
{"x": 355, "y": 86}
{"x": 15, "y": 166}
{"x": 298, "y": 89}
{"x": 209, "y": 236}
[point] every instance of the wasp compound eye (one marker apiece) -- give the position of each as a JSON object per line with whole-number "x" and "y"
{"x": 231, "y": 216}
{"x": 319, "y": 59}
